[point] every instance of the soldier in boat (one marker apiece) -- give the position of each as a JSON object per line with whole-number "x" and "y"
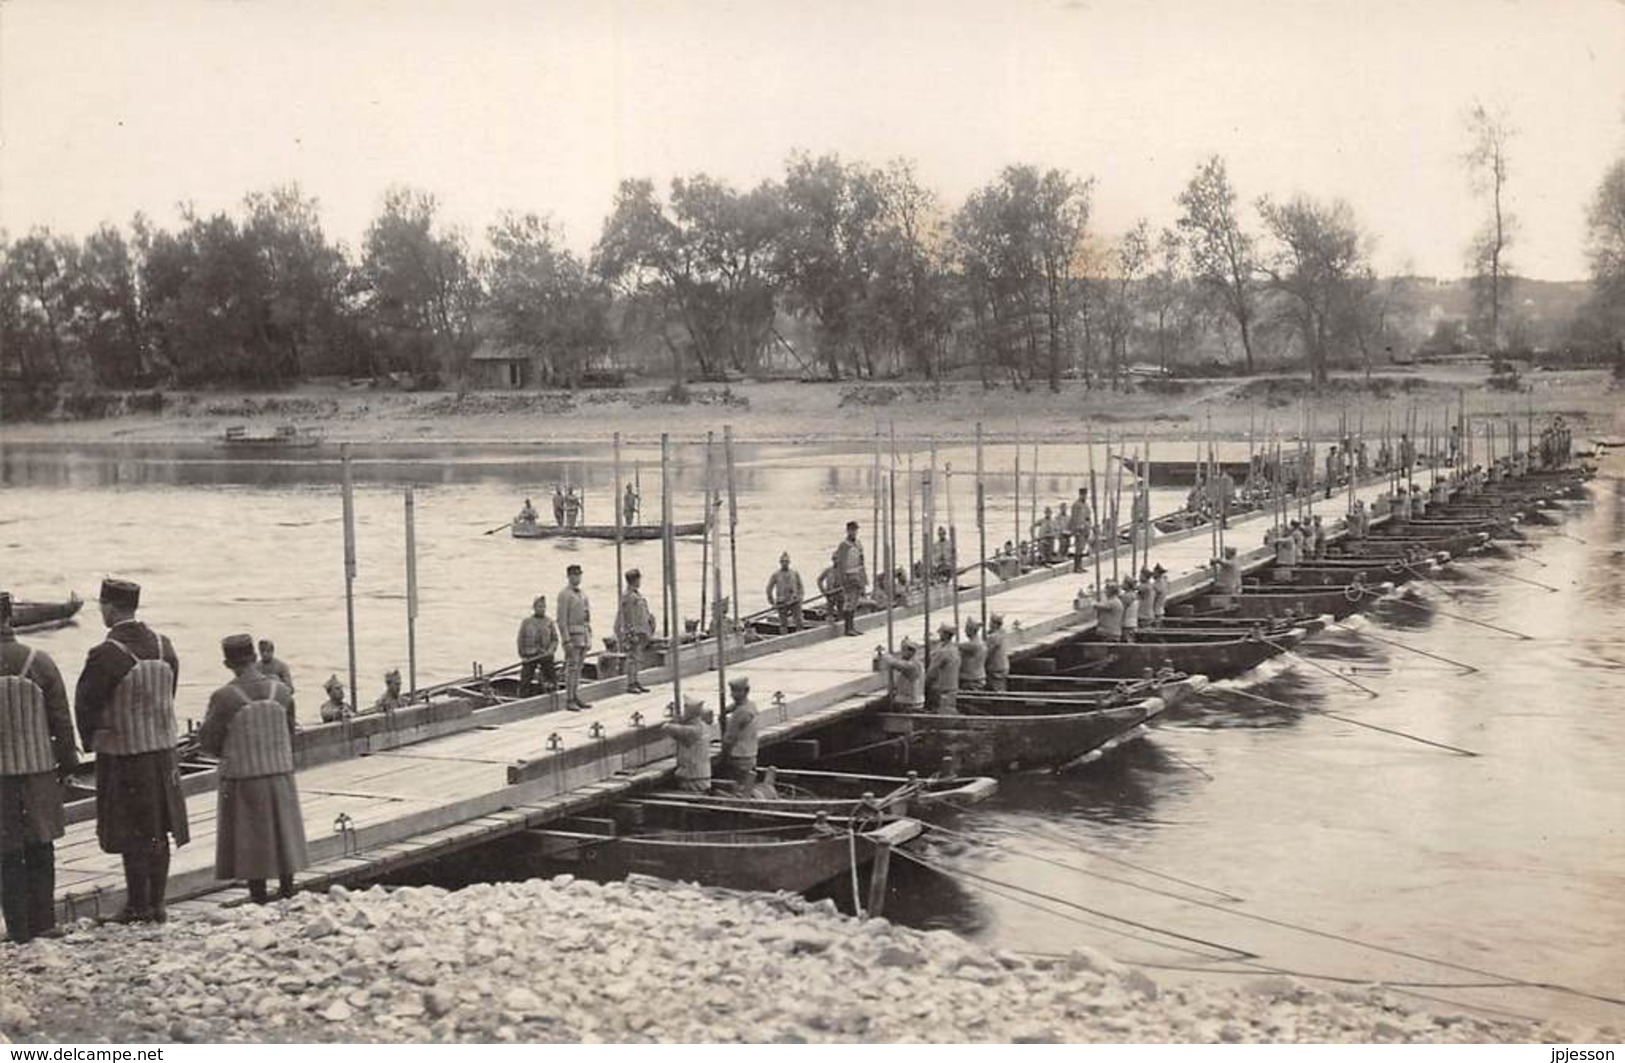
{"x": 124, "y": 703}
{"x": 1226, "y": 577}
{"x": 335, "y": 708}
{"x": 739, "y": 734}
{"x": 1159, "y": 600}
{"x": 392, "y": 698}
{"x": 973, "y": 657}
{"x": 37, "y": 754}
{"x": 1109, "y": 614}
{"x": 908, "y": 676}
{"x": 1146, "y": 614}
{"x": 558, "y": 505}
{"x": 852, "y": 575}
{"x": 634, "y": 629}
{"x": 785, "y": 593}
{"x": 942, "y": 673}
{"x": 538, "y": 641}
{"x": 943, "y": 558}
{"x": 1131, "y": 608}
{"x": 998, "y": 654}
{"x": 259, "y": 828}
{"x": 572, "y": 509}
{"x": 1063, "y": 531}
{"x": 272, "y": 667}
{"x": 527, "y": 513}
{"x": 692, "y": 733}
{"x": 629, "y": 506}
{"x": 575, "y": 630}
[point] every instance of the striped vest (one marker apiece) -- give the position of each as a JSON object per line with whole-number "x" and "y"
{"x": 257, "y": 741}
{"x": 25, "y": 733}
{"x": 142, "y": 717}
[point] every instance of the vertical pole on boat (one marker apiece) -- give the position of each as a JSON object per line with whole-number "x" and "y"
{"x": 928, "y": 518}
{"x": 1033, "y": 502}
{"x": 668, "y": 573}
{"x": 910, "y": 536}
{"x": 349, "y": 574}
{"x": 706, "y": 536}
{"x": 981, "y": 529}
{"x": 733, "y": 517}
{"x": 889, "y": 513}
{"x": 719, "y": 622}
{"x": 1016, "y": 542}
{"x": 411, "y": 593}
{"x": 953, "y": 542}
{"x": 1117, "y": 499}
{"x": 620, "y": 532}
{"x": 874, "y": 521}
{"x": 1097, "y": 516}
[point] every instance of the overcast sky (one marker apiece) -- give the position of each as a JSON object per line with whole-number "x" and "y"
{"x": 106, "y": 109}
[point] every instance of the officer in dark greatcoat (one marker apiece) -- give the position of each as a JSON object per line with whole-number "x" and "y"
{"x": 36, "y": 754}
{"x": 124, "y": 705}
{"x": 259, "y": 829}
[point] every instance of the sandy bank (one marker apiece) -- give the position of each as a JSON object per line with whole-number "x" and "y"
{"x": 829, "y": 412}
{"x": 569, "y": 960}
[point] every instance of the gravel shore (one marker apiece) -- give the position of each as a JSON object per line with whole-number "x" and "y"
{"x": 567, "y": 960}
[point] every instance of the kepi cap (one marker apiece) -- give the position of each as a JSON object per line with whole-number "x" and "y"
{"x": 121, "y": 592}
{"x": 739, "y": 682}
{"x": 238, "y": 649}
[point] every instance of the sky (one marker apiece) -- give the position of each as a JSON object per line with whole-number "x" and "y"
{"x": 107, "y": 109}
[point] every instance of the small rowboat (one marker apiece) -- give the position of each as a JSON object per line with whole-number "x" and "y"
{"x": 1275, "y": 600}
{"x": 717, "y": 844}
{"x": 1217, "y": 655}
{"x": 530, "y": 529}
{"x": 284, "y": 437}
{"x": 30, "y": 616}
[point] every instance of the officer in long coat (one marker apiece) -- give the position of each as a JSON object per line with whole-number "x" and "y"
{"x": 575, "y": 630}
{"x": 259, "y": 829}
{"x": 124, "y": 705}
{"x": 634, "y": 627}
{"x": 36, "y": 754}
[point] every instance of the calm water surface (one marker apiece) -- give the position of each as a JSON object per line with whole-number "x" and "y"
{"x": 1241, "y": 836}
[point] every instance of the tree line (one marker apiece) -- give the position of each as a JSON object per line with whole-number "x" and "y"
{"x": 1014, "y": 286}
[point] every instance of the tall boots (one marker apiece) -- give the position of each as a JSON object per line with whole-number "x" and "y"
{"x": 27, "y": 891}
{"x": 146, "y": 880}
{"x": 259, "y": 895}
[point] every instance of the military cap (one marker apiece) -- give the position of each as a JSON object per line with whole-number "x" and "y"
{"x": 573, "y": 570}
{"x": 739, "y": 682}
{"x": 946, "y": 628}
{"x": 633, "y": 575}
{"x": 539, "y": 602}
{"x": 851, "y": 525}
{"x": 121, "y": 592}
{"x": 333, "y": 683}
{"x": 238, "y": 649}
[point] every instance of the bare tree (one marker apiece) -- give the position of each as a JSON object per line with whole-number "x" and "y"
{"x": 1490, "y": 132}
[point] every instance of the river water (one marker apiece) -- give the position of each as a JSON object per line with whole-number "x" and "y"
{"x": 1242, "y": 836}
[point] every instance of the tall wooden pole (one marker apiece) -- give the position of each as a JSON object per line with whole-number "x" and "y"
{"x": 620, "y": 532}
{"x": 707, "y": 535}
{"x": 928, "y": 520}
{"x": 953, "y": 542}
{"x": 981, "y": 527}
{"x": 1016, "y": 542}
{"x": 668, "y": 573}
{"x": 733, "y": 516}
{"x": 349, "y": 575}
{"x": 874, "y": 518}
{"x": 911, "y": 540}
{"x": 411, "y": 593}
{"x": 1097, "y": 515}
{"x": 890, "y": 513}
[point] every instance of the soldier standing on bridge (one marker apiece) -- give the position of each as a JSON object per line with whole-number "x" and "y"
{"x": 575, "y": 628}
{"x": 36, "y": 755}
{"x": 1081, "y": 523}
{"x": 851, "y": 575}
{"x": 785, "y": 593}
{"x": 124, "y": 703}
{"x": 634, "y": 628}
{"x": 259, "y": 828}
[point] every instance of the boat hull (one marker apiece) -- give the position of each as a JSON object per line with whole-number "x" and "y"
{"x": 628, "y": 533}
{"x": 27, "y": 616}
{"x": 975, "y": 742}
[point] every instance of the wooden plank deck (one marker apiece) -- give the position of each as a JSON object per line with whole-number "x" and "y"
{"x": 367, "y": 814}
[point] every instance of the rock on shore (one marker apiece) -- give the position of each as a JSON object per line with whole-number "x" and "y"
{"x": 571, "y": 960}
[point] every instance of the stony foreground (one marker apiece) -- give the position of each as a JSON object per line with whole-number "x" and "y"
{"x": 569, "y": 960}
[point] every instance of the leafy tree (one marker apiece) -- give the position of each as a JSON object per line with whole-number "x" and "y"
{"x": 112, "y": 325}
{"x": 543, "y": 301}
{"x": 1131, "y": 258}
{"x": 1317, "y": 263}
{"x": 1490, "y": 133}
{"x": 308, "y": 283}
{"x": 1223, "y": 255}
{"x": 418, "y": 287}
{"x": 705, "y": 260}
{"x": 912, "y": 302}
{"x": 1016, "y": 241}
{"x": 1605, "y": 252}
{"x": 40, "y": 269}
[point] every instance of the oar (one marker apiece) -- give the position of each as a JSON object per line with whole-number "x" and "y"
{"x": 1576, "y": 538}
{"x": 1349, "y": 720}
{"x": 499, "y": 527}
{"x": 1334, "y": 673}
{"x": 1466, "y": 619}
{"x": 1466, "y": 668}
{"x": 1531, "y": 582}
